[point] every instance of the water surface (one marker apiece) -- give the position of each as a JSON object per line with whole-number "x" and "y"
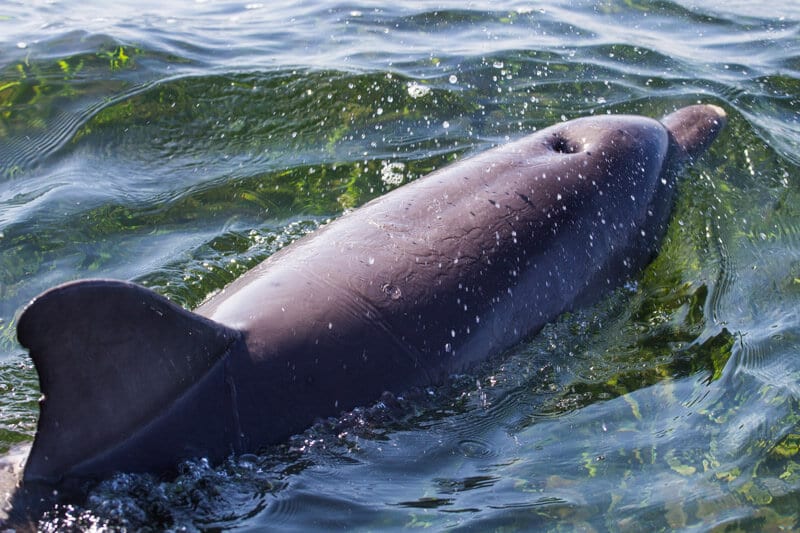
{"x": 178, "y": 144}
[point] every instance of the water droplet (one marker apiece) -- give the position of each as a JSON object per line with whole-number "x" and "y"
{"x": 393, "y": 291}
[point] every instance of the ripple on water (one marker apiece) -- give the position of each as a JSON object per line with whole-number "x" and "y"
{"x": 475, "y": 448}
{"x": 199, "y": 131}
{"x": 331, "y": 511}
{"x": 768, "y": 358}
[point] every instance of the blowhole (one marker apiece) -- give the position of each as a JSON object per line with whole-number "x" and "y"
{"x": 562, "y": 145}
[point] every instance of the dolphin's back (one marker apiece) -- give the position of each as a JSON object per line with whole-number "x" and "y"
{"x": 462, "y": 263}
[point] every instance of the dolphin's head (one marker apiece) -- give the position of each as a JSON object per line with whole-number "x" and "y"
{"x": 625, "y": 165}
{"x": 613, "y": 177}
{"x": 681, "y": 135}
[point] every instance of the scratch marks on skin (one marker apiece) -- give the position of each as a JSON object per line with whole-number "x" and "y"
{"x": 526, "y": 199}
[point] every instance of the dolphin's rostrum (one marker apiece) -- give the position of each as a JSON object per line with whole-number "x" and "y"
{"x": 415, "y": 285}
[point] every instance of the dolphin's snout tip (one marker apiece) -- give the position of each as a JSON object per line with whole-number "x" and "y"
{"x": 718, "y": 110}
{"x": 716, "y": 114}
{"x": 694, "y": 128}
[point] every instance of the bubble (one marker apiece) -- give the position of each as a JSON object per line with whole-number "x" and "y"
{"x": 392, "y": 172}
{"x": 415, "y": 90}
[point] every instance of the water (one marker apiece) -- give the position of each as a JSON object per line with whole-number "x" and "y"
{"x": 178, "y": 145}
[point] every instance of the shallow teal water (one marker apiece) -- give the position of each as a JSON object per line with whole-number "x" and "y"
{"x": 178, "y": 145}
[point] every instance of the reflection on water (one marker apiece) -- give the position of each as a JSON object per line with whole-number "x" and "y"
{"x": 180, "y": 145}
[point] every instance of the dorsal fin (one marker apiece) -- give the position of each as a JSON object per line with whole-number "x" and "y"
{"x": 111, "y": 356}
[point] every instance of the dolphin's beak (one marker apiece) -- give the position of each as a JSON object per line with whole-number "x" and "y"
{"x": 693, "y": 128}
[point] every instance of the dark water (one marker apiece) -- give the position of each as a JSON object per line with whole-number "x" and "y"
{"x": 177, "y": 144}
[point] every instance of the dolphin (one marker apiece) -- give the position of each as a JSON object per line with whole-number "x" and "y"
{"x": 418, "y": 284}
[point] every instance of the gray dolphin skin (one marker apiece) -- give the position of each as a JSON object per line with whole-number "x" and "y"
{"x": 415, "y": 285}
